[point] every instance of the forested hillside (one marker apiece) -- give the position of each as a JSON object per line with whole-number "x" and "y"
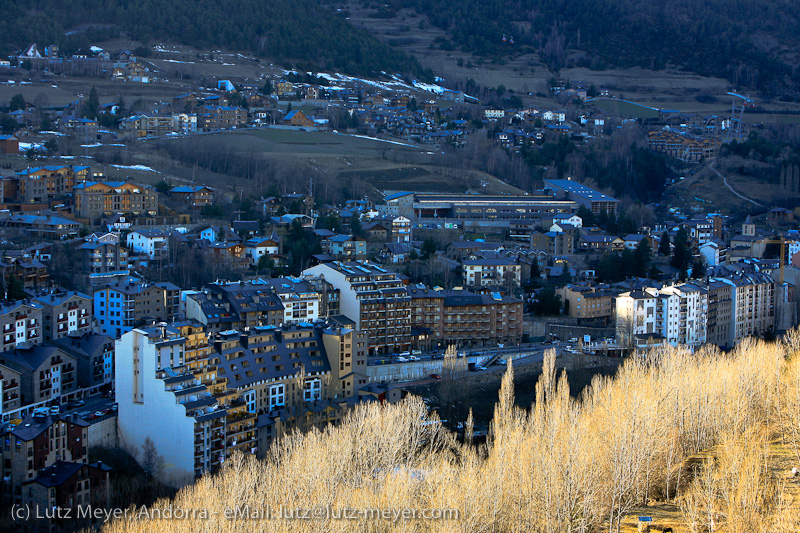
{"x": 282, "y": 29}
{"x": 751, "y": 42}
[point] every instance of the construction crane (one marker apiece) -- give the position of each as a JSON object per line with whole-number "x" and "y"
{"x": 735, "y": 126}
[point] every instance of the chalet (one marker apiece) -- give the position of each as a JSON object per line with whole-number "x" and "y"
{"x": 297, "y": 118}
{"x": 193, "y": 195}
{"x": 9, "y": 144}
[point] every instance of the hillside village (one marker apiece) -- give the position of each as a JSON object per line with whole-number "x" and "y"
{"x": 126, "y": 302}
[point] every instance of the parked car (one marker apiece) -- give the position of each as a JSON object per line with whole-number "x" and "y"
{"x": 436, "y": 376}
{"x": 501, "y": 361}
{"x": 55, "y": 410}
{"x": 404, "y": 354}
{"x": 416, "y": 352}
{"x": 401, "y": 359}
{"x": 413, "y": 358}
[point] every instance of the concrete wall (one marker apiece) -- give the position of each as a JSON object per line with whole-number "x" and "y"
{"x": 103, "y": 433}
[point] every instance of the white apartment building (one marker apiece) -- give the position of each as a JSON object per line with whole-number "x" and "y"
{"x": 492, "y": 272}
{"x": 148, "y": 241}
{"x": 677, "y": 313}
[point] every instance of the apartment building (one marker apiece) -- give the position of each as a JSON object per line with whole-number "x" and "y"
{"x": 102, "y": 261}
{"x": 678, "y": 314}
{"x": 235, "y": 306}
{"x": 151, "y": 242}
{"x": 754, "y": 304}
{"x": 21, "y": 324}
{"x": 42, "y": 184}
{"x": 374, "y": 298}
{"x": 169, "y": 391}
{"x": 45, "y": 463}
{"x": 464, "y": 318}
{"x": 588, "y": 302}
{"x": 501, "y": 273}
{"x": 65, "y": 313}
{"x": 238, "y": 391}
{"x": 95, "y": 200}
{"x": 211, "y": 118}
{"x": 301, "y": 302}
{"x": 94, "y": 360}
{"x": 119, "y": 307}
{"x": 345, "y": 247}
{"x": 46, "y": 374}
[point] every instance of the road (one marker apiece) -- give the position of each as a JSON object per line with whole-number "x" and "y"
{"x": 725, "y": 181}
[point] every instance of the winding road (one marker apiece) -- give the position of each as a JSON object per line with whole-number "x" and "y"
{"x": 725, "y": 181}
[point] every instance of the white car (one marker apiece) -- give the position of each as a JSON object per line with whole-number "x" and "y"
{"x": 401, "y": 359}
{"x": 413, "y": 358}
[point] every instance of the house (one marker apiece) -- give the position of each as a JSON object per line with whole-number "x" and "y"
{"x": 150, "y": 242}
{"x": 297, "y": 118}
{"x": 492, "y": 273}
{"x": 257, "y": 247}
{"x": 9, "y": 144}
{"x": 194, "y": 195}
{"x": 346, "y": 247}
{"x": 245, "y": 228}
{"x": 394, "y": 253}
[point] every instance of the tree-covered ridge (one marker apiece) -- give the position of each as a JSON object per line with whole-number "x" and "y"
{"x": 749, "y": 42}
{"x": 285, "y": 29}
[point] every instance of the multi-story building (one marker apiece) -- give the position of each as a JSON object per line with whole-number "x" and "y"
{"x": 720, "y": 312}
{"x": 47, "y": 374}
{"x": 194, "y": 195}
{"x": 211, "y": 118}
{"x": 345, "y": 247}
{"x": 677, "y": 313}
{"x": 593, "y": 200}
{"x": 375, "y": 299}
{"x": 553, "y": 243}
{"x": 45, "y": 463}
{"x": 65, "y": 313}
{"x": 235, "y": 306}
{"x": 301, "y": 302}
{"x": 95, "y": 200}
{"x": 151, "y": 242}
{"x": 463, "y": 317}
{"x": 102, "y": 261}
{"x": 10, "y": 396}
{"x": 754, "y": 304}
{"x": 42, "y": 184}
{"x": 121, "y": 306}
{"x": 588, "y": 302}
{"x": 166, "y": 373}
{"x": 401, "y": 230}
{"x": 492, "y": 273}
{"x": 21, "y": 324}
{"x": 238, "y": 392}
{"x": 94, "y": 356}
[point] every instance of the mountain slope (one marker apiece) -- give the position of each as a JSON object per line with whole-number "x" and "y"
{"x": 284, "y": 29}
{"x": 754, "y": 43}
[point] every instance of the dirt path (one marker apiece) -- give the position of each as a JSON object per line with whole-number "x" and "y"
{"x": 725, "y": 181}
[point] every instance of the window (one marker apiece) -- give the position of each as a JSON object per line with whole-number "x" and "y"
{"x": 277, "y": 396}
{"x": 311, "y": 389}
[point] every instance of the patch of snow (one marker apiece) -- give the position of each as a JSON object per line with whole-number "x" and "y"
{"x": 176, "y": 61}
{"x": 136, "y": 167}
{"x": 95, "y": 145}
{"x": 383, "y": 140}
{"x": 53, "y": 133}
{"x": 28, "y": 146}
{"x": 95, "y": 49}
{"x": 67, "y": 156}
{"x": 430, "y": 87}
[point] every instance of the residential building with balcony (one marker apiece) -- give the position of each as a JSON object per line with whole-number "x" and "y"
{"x": 45, "y": 463}
{"x": 166, "y": 373}
{"x": 65, "y": 313}
{"x": 443, "y": 317}
{"x": 95, "y": 200}
{"x": 235, "y": 306}
{"x": 151, "y": 242}
{"x": 492, "y": 273}
{"x": 301, "y": 302}
{"x": 94, "y": 356}
{"x": 345, "y": 247}
{"x": 588, "y": 302}
{"x": 374, "y": 298}
{"x": 120, "y": 307}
